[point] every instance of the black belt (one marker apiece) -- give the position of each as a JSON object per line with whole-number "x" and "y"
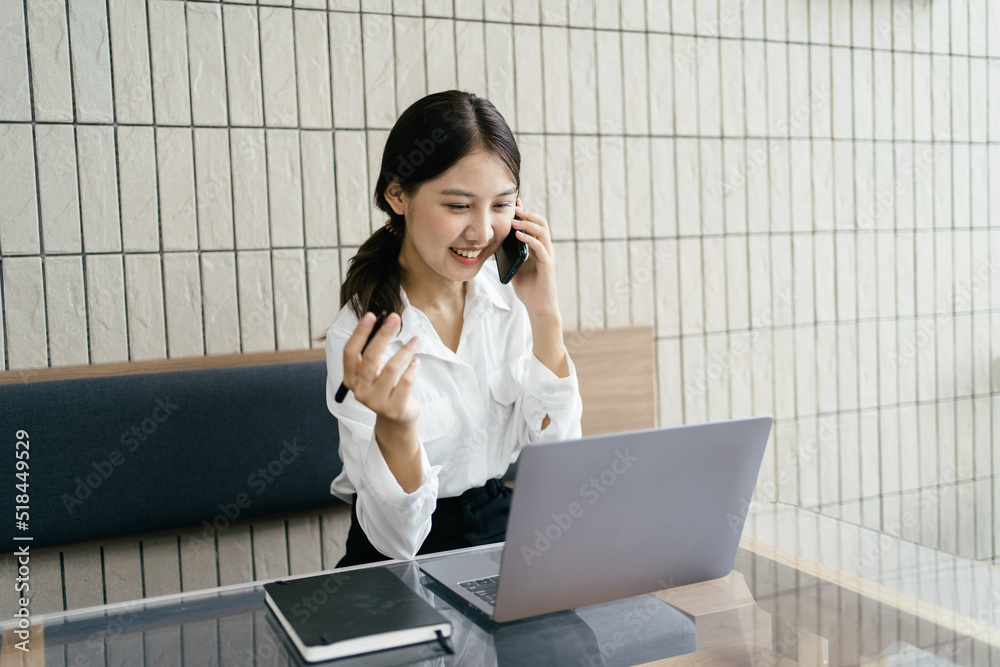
{"x": 477, "y": 517}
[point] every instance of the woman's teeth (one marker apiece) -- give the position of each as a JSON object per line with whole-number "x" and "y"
{"x": 467, "y": 253}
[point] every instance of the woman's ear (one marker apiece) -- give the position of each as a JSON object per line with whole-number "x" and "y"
{"x": 394, "y": 195}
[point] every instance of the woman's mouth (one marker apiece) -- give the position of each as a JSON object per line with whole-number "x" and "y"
{"x": 468, "y": 255}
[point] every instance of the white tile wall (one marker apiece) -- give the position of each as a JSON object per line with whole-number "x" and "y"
{"x": 312, "y": 67}
{"x": 205, "y": 60}
{"x": 213, "y": 183}
{"x": 171, "y": 89}
{"x": 144, "y": 300}
{"x": 277, "y": 57}
{"x": 803, "y": 189}
{"x": 19, "y": 225}
{"x": 106, "y": 308}
{"x": 218, "y": 275}
{"x": 439, "y": 44}
{"x": 137, "y": 189}
{"x": 66, "y": 309}
{"x": 58, "y": 194}
{"x": 130, "y": 55}
{"x": 15, "y": 96}
{"x": 175, "y": 174}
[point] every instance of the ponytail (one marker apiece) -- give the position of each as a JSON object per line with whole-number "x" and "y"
{"x": 375, "y": 278}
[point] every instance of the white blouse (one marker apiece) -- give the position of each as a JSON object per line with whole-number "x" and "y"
{"x": 478, "y": 408}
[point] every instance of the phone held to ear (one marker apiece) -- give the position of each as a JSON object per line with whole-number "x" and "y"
{"x": 511, "y": 256}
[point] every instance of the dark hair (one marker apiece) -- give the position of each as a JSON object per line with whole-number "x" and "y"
{"x": 429, "y": 137}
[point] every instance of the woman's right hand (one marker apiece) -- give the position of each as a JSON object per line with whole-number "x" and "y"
{"x": 383, "y": 389}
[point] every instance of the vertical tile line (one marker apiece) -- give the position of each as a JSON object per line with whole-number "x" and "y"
{"x": 229, "y": 139}
{"x": 69, "y": 55}
{"x": 746, "y": 216}
{"x": 299, "y": 132}
{"x": 159, "y": 194}
{"x": 995, "y": 482}
{"x": 364, "y": 108}
{"x": 75, "y": 122}
{"x": 454, "y": 38}
{"x": 118, "y": 181}
{"x": 724, "y": 227}
{"x": 267, "y": 179}
{"x": 934, "y": 231}
{"x": 576, "y": 184}
{"x": 302, "y": 191}
{"x": 545, "y": 128}
{"x": 976, "y": 519}
{"x": 333, "y": 148}
{"x": 62, "y": 577}
{"x": 657, "y": 390}
{"x": 423, "y": 37}
{"x": 194, "y": 177}
{"x": 854, "y": 230}
{"x": 513, "y": 64}
{"x": 771, "y": 235}
{"x": 813, "y": 234}
{"x": 677, "y": 268}
{"x": 84, "y": 256}
{"x": 238, "y": 342}
{"x": 142, "y": 566}
{"x": 38, "y": 192}
{"x": 953, "y": 400}
{"x": 180, "y": 572}
{"x": 288, "y": 547}
{"x": 27, "y": 54}
{"x": 620, "y": 33}
{"x": 599, "y": 138}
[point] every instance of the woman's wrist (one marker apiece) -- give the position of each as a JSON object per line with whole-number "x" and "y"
{"x": 547, "y": 342}
{"x": 400, "y": 447}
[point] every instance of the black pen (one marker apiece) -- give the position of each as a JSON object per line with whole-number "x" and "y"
{"x": 342, "y": 390}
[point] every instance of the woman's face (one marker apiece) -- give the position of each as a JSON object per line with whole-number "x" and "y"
{"x": 456, "y": 221}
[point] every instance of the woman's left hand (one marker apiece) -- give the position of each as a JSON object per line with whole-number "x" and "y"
{"x": 535, "y": 282}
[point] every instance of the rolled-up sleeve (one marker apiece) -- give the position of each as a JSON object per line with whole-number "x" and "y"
{"x": 395, "y": 522}
{"x": 544, "y": 394}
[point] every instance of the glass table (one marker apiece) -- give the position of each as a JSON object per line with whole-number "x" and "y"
{"x": 806, "y": 589}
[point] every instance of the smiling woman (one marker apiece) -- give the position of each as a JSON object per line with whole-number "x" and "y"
{"x": 464, "y": 371}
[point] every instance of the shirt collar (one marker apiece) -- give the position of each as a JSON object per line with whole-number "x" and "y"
{"x": 482, "y": 297}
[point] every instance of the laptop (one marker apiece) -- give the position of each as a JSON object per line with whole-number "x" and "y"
{"x": 612, "y": 516}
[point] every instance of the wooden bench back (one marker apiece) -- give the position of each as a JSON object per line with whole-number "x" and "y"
{"x": 615, "y": 367}
{"x": 616, "y": 370}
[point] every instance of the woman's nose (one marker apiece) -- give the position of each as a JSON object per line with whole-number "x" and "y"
{"x": 479, "y": 227}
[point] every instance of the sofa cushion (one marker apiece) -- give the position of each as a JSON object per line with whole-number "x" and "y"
{"x": 113, "y": 456}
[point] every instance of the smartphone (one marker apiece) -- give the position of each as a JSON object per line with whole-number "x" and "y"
{"x": 511, "y": 255}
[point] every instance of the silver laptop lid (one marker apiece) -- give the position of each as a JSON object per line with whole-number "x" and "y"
{"x": 611, "y": 516}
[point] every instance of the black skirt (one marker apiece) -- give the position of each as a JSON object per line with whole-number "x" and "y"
{"x": 477, "y": 517}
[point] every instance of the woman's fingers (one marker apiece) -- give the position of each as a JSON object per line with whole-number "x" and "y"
{"x": 534, "y": 226}
{"x": 364, "y": 349}
{"x": 383, "y": 388}
{"x": 354, "y": 344}
{"x": 395, "y": 367}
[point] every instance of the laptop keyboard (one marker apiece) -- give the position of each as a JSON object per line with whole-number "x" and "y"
{"x": 485, "y": 589}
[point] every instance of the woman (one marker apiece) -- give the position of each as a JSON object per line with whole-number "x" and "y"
{"x": 462, "y": 374}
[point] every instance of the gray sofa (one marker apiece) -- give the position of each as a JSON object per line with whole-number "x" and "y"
{"x": 131, "y": 454}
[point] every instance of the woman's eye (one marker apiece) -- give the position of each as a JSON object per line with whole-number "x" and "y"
{"x": 505, "y": 204}
{"x": 457, "y": 207}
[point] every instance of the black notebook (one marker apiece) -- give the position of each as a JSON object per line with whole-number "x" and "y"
{"x": 335, "y": 615}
